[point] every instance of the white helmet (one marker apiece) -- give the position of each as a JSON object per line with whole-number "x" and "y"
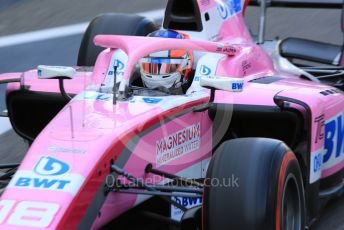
{"x": 166, "y": 70}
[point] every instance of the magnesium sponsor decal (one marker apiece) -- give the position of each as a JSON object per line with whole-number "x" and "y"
{"x": 59, "y": 149}
{"x": 49, "y": 174}
{"x": 178, "y": 144}
{"x": 27, "y": 213}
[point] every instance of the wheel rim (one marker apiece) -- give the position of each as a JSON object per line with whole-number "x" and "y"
{"x": 291, "y": 205}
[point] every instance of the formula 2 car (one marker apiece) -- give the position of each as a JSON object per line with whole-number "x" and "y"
{"x": 252, "y": 143}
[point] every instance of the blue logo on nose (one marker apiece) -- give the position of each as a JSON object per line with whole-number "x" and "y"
{"x": 49, "y": 166}
{"x": 223, "y": 10}
{"x": 205, "y": 70}
{"x": 150, "y": 100}
{"x": 119, "y": 64}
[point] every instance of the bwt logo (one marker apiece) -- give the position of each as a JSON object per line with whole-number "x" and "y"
{"x": 228, "y": 8}
{"x": 205, "y": 70}
{"x": 150, "y": 100}
{"x": 334, "y": 138}
{"x": 120, "y": 67}
{"x": 223, "y": 10}
{"x": 49, "y": 166}
{"x": 119, "y": 64}
{"x": 49, "y": 173}
{"x": 237, "y": 86}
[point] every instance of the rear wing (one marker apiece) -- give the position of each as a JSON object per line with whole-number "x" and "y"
{"x": 335, "y": 4}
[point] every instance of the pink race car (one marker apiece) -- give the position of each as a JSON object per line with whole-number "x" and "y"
{"x": 193, "y": 126}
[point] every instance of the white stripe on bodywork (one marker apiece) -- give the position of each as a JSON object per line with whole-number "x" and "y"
{"x": 75, "y": 181}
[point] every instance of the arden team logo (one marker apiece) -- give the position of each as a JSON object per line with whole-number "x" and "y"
{"x": 178, "y": 144}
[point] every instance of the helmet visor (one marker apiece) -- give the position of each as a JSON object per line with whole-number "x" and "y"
{"x": 160, "y": 66}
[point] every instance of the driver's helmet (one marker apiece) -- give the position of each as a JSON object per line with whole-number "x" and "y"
{"x": 167, "y": 70}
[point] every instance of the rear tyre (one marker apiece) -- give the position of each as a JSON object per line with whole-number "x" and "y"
{"x": 116, "y": 24}
{"x": 258, "y": 186}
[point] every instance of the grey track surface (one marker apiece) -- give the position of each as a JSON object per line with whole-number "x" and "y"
{"x": 315, "y": 24}
{"x": 30, "y": 15}
{"x": 18, "y": 16}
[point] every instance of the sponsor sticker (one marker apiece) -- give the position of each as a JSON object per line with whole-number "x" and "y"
{"x": 49, "y": 174}
{"x": 187, "y": 202}
{"x": 178, "y": 144}
{"x": 334, "y": 139}
{"x": 49, "y": 166}
{"x": 120, "y": 67}
{"x": 228, "y": 8}
{"x": 59, "y": 149}
{"x": 237, "y": 87}
{"x": 205, "y": 70}
{"x": 227, "y": 49}
{"x": 316, "y": 164}
{"x": 151, "y": 100}
{"x": 331, "y": 132}
{"x": 223, "y": 10}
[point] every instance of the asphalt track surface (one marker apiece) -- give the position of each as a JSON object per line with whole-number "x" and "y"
{"x": 19, "y": 16}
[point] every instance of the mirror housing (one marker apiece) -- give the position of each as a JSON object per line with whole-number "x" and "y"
{"x": 55, "y": 72}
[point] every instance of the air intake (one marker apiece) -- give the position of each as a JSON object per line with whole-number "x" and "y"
{"x": 183, "y": 15}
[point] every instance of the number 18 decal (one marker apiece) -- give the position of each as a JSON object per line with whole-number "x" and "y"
{"x": 28, "y": 213}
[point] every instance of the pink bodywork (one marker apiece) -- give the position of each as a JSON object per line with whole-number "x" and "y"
{"x": 98, "y": 133}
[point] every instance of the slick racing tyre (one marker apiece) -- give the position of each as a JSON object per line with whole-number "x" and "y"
{"x": 254, "y": 183}
{"x": 116, "y": 24}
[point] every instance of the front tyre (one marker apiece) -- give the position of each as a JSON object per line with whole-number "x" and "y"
{"x": 268, "y": 190}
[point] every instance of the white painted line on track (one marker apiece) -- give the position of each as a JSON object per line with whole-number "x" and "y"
{"x": 51, "y": 33}
{"x": 62, "y": 31}
{"x": 5, "y": 125}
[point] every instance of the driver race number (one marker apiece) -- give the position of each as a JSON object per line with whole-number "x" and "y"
{"x": 27, "y": 213}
